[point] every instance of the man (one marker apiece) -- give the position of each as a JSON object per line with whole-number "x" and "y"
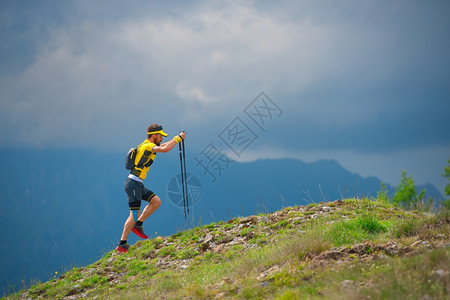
{"x": 134, "y": 186}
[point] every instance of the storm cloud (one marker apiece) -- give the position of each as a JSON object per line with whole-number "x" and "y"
{"x": 354, "y": 79}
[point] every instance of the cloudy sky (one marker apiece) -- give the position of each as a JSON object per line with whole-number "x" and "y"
{"x": 364, "y": 82}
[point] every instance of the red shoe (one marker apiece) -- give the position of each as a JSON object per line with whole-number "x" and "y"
{"x": 140, "y": 233}
{"x": 122, "y": 248}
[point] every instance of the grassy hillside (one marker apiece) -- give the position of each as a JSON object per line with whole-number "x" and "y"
{"x": 349, "y": 249}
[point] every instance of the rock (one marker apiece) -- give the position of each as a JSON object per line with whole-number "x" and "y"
{"x": 326, "y": 209}
{"x": 444, "y": 245}
{"x": 112, "y": 276}
{"x": 218, "y": 248}
{"x": 308, "y": 256}
{"x": 349, "y": 284}
{"x": 308, "y": 208}
{"x": 204, "y": 247}
{"x": 207, "y": 243}
{"x": 227, "y": 280}
{"x": 405, "y": 250}
{"x": 362, "y": 249}
{"x": 329, "y": 255}
{"x": 265, "y": 219}
{"x": 296, "y": 219}
{"x": 325, "y": 257}
{"x": 429, "y": 215}
{"x": 220, "y": 295}
{"x": 368, "y": 258}
{"x": 390, "y": 248}
{"x": 225, "y": 239}
{"x": 391, "y": 251}
{"x": 75, "y": 290}
{"x": 248, "y": 236}
{"x": 249, "y": 219}
{"x": 208, "y": 238}
{"x": 149, "y": 255}
{"x": 273, "y": 270}
{"x": 416, "y": 243}
{"x": 236, "y": 241}
{"x": 439, "y": 273}
{"x": 269, "y": 272}
{"x": 162, "y": 264}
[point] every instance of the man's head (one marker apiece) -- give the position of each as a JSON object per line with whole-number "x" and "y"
{"x": 155, "y": 133}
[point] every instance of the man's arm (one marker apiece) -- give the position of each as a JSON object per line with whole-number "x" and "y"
{"x": 167, "y": 146}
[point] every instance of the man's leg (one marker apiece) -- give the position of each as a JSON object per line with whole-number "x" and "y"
{"x": 155, "y": 202}
{"x": 129, "y": 223}
{"x": 134, "y": 191}
{"x": 123, "y": 246}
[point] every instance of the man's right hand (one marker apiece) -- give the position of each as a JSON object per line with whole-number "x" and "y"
{"x": 178, "y": 138}
{"x": 183, "y": 135}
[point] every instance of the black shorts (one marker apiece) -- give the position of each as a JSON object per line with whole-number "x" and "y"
{"x": 136, "y": 191}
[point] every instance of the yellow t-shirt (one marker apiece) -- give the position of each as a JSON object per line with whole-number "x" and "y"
{"x": 144, "y": 159}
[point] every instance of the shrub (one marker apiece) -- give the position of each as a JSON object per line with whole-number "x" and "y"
{"x": 383, "y": 194}
{"x": 447, "y": 175}
{"x": 406, "y": 193}
{"x": 355, "y": 230}
{"x": 370, "y": 224}
{"x": 407, "y": 227}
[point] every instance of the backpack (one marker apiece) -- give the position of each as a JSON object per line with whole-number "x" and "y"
{"x": 129, "y": 159}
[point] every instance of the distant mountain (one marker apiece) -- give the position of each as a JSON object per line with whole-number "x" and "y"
{"x": 271, "y": 184}
{"x": 60, "y": 209}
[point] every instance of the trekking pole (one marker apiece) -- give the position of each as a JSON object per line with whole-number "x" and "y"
{"x": 182, "y": 179}
{"x": 185, "y": 177}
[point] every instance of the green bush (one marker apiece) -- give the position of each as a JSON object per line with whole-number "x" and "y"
{"x": 355, "y": 230}
{"x": 383, "y": 194}
{"x": 406, "y": 193}
{"x": 370, "y": 224}
{"x": 407, "y": 227}
{"x": 447, "y": 175}
{"x": 446, "y": 204}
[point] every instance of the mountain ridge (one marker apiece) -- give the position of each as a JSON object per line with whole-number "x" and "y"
{"x": 337, "y": 249}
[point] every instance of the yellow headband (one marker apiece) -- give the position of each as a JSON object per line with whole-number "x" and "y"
{"x": 159, "y": 131}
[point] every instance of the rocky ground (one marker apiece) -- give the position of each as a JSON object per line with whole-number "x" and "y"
{"x": 246, "y": 233}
